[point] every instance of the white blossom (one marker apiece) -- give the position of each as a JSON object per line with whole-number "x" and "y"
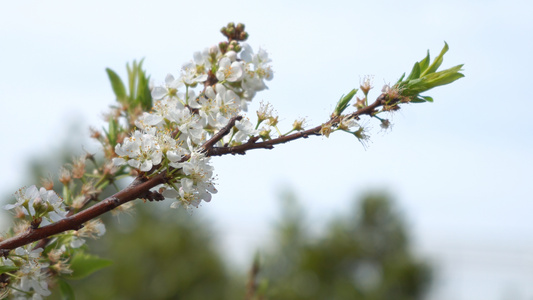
{"x": 33, "y": 276}
{"x": 170, "y": 89}
{"x": 140, "y": 151}
{"x": 24, "y": 197}
{"x": 229, "y": 71}
{"x": 246, "y": 128}
{"x": 190, "y": 75}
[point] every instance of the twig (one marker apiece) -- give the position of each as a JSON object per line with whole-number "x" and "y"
{"x": 135, "y": 190}
{"x": 141, "y": 185}
{"x": 241, "y": 149}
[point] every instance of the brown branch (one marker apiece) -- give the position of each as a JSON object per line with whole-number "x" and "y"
{"x": 241, "y": 149}
{"x": 135, "y": 190}
{"x": 141, "y": 185}
{"x": 220, "y": 134}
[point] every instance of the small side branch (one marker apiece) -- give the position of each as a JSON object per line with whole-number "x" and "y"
{"x": 136, "y": 189}
{"x": 241, "y": 149}
{"x": 220, "y": 134}
{"x": 141, "y": 186}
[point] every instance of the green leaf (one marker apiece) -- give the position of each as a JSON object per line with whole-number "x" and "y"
{"x": 421, "y": 99}
{"x": 5, "y": 269}
{"x": 420, "y": 85}
{"x": 131, "y": 78}
{"x": 417, "y": 100}
{"x": 401, "y": 78}
{"x": 117, "y": 85}
{"x": 343, "y": 102}
{"x": 113, "y": 132}
{"x": 143, "y": 96}
{"x": 146, "y": 100}
{"x": 424, "y": 63}
{"x": 133, "y": 74}
{"x": 427, "y": 98}
{"x": 437, "y": 62}
{"x": 83, "y": 265}
{"x": 67, "y": 293}
{"x": 415, "y": 72}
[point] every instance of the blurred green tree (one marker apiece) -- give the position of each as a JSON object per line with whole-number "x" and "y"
{"x": 158, "y": 254}
{"x": 364, "y": 255}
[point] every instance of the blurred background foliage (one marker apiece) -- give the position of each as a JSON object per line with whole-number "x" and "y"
{"x": 362, "y": 255}
{"x": 160, "y": 253}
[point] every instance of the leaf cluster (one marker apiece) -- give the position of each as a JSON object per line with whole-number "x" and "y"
{"x": 138, "y": 92}
{"x": 425, "y": 76}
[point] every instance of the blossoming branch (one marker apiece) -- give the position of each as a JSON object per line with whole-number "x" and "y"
{"x": 164, "y": 137}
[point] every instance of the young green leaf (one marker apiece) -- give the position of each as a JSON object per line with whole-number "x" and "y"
{"x": 83, "y": 265}
{"x": 437, "y": 62}
{"x": 343, "y": 102}
{"x": 113, "y": 132}
{"x": 415, "y": 72}
{"x": 427, "y": 98}
{"x": 401, "y": 78}
{"x": 117, "y": 85}
{"x": 5, "y": 269}
{"x": 424, "y": 63}
{"x": 67, "y": 293}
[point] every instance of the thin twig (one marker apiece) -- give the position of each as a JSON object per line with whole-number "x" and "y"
{"x": 241, "y": 149}
{"x": 220, "y": 134}
{"x": 141, "y": 185}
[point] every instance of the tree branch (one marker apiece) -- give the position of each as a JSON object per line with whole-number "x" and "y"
{"x": 141, "y": 185}
{"x": 220, "y": 134}
{"x": 241, "y": 149}
{"x": 75, "y": 222}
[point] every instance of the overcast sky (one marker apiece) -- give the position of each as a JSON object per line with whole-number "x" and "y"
{"x": 459, "y": 168}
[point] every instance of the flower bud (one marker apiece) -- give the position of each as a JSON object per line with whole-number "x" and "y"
{"x": 223, "y": 46}
{"x": 343, "y": 102}
{"x": 213, "y": 50}
{"x": 232, "y": 55}
{"x": 230, "y": 31}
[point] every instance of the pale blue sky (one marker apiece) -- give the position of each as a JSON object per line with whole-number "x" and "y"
{"x": 460, "y": 168}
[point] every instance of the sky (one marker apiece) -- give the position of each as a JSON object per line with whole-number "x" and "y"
{"x": 459, "y": 168}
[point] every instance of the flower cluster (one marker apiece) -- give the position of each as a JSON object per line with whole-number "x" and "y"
{"x": 31, "y": 277}
{"x": 25, "y": 273}
{"x": 211, "y": 90}
{"x": 38, "y": 204}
